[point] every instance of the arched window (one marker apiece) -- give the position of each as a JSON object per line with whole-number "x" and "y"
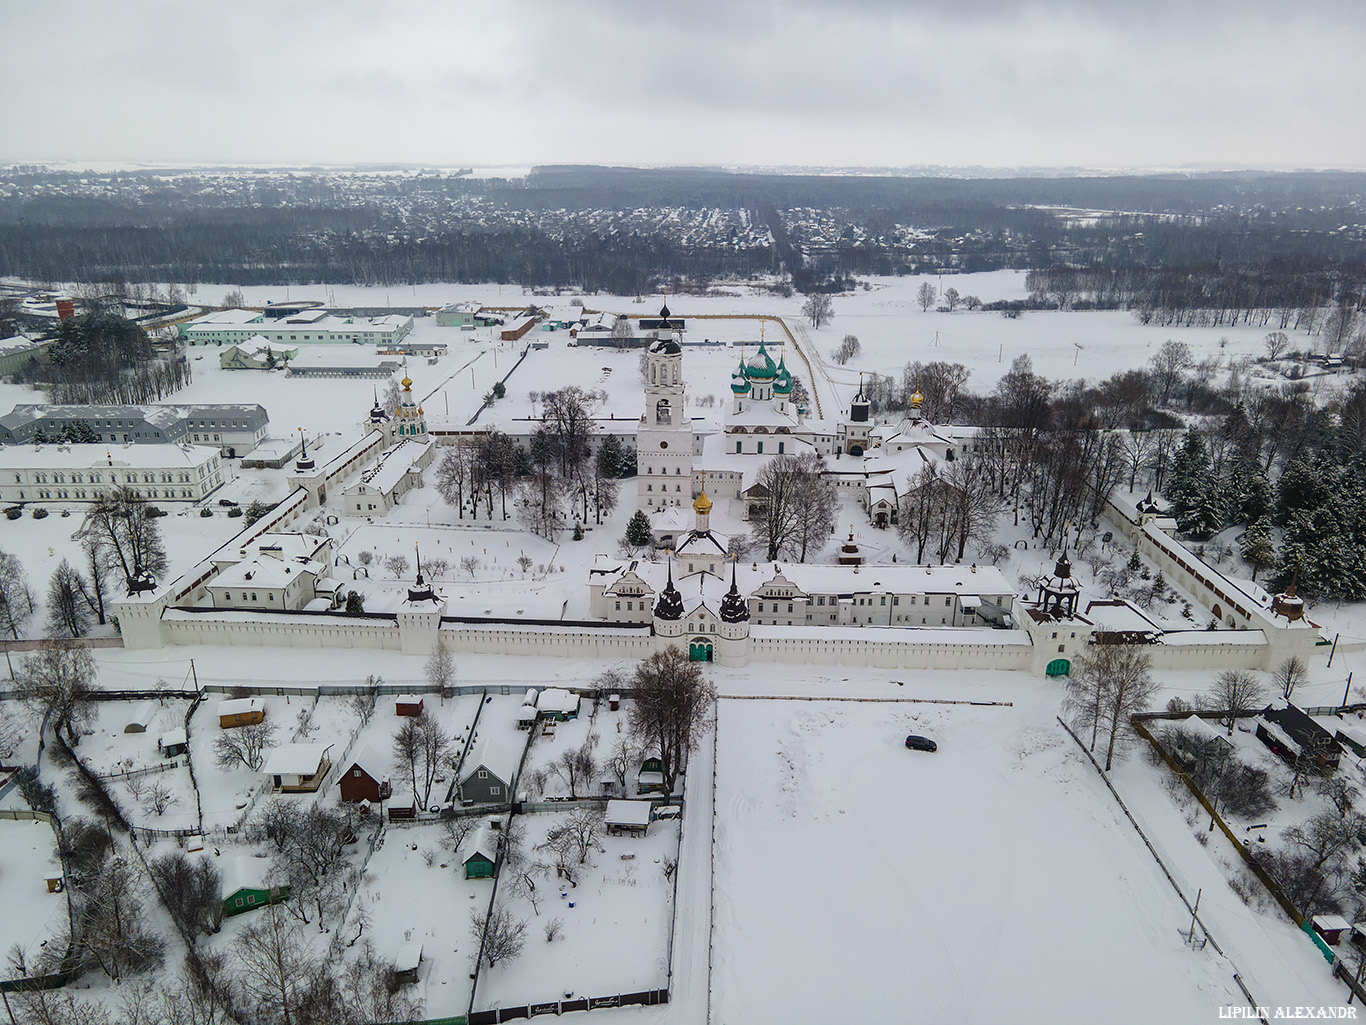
{"x": 654, "y": 369}
{"x": 662, "y": 411}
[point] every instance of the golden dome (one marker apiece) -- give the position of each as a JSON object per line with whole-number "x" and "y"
{"x": 702, "y": 504}
{"x": 407, "y": 383}
{"x": 916, "y": 398}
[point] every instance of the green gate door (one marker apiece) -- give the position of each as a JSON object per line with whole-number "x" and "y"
{"x": 1058, "y": 667}
{"x": 699, "y": 651}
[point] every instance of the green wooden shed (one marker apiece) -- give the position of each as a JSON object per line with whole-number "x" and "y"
{"x": 247, "y": 885}
{"x": 481, "y": 853}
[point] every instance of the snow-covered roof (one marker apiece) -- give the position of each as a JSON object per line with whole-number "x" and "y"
{"x": 408, "y": 957}
{"x": 408, "y": 699}
{"x": 628, "y": 813}
{"x": 94, "y": 456}
{"x": 1354, "y": 732}
{"x": 239, "y": 706}
{"x": 295, "y": 759}
{"x": 498, "y": 748}
{"x": 396, "y": 462}
{"x": 245, "y": 872}
{"x": 228, "y": 318}
{"x": 1198, "y": 727}
{"x": 483, "y": 842}
{"x": 527, "y": 713}
{"x": 1117, "y": 615}
{"x": 170, "y": 737}
{"x": 1278, "y": 734}
{"x": 556, "y": 699}
{"x": 266, "y": 572}
{"x": 374, "y": 759}
{"x": 142, "y": 714}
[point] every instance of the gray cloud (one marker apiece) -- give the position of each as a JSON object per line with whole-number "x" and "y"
{"x": 878, "y": 82}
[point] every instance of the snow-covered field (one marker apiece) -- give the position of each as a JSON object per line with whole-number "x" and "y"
{"x": 994, "y": 880}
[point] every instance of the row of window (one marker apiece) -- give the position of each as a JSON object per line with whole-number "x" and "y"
{"x": 663, "y": 487}
{"x": 80, "y": 494}
{"x": 759, "y": 447}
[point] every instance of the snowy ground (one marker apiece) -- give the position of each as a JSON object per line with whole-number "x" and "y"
{"x": 603, "y": 727}
{"x": 994, "y": 880}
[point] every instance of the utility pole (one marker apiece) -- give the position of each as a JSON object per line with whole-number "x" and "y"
{"x": 1346, "y": 690}
{"x": 194, "y": 676}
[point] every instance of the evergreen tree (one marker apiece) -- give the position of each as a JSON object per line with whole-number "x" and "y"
{"x": 1259, "y": 550}
{"x": 638, "y": 530}
{"x": 1204, "y": 516}
{"x": 1256, "y": 500}
{"x": 1189, "y": 476}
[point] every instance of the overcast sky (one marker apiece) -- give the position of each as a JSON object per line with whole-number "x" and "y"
{"x": 1095, "y": 83}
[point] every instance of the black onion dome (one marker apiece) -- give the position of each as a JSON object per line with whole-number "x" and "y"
{"x": 733, "y": 607}
{"x": 670, "y": 603}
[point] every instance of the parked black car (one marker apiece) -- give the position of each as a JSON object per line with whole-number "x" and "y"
{"x": 918, "y": 743}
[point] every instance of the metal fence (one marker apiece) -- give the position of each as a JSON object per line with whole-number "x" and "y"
{"x": 647, "y": 998}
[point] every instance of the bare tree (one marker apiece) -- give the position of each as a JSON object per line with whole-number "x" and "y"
{"x": 1276, "y": 343}
{"x": 1109, "y": 684}
{"x": 577, "y": 768}
{"x": 672, "y": 707}
{"x": 440, "y": 667}
{"x": 470, "y": 564}
{"x": 1289, "y": 674}
{"x": 397, "y": 565}
{"x": 16, "y": 597}
{"x": 1327, "y": 837}
{"x": 159, "y": 799}
{"x": 849, "y": 347}
{"x": 795, "y": 500}
{"x": 818, "y": 309}
{"x": 624, "y": 757}
{"x": 1169, "y": 363}
{"x": 501, "y": 936}
{"x": 435, "y": 747}
{"x": 276, "y": 963}
{"x": 190, "y": 890}
{"x": 407, "y": 747}
{"x": 926, "y": 296}
{"x": 56, "y": 682}
{"x": 121, "y": 527}
{"x": 68, "y": 615}
{"x": 244, "y": 745}
{"x": 1234, "y": 691}
{"x": 951, "y": 298}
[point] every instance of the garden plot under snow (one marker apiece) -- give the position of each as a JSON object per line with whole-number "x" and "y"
{"x": 30, "y": 916}
{"x": 613, "y": 939}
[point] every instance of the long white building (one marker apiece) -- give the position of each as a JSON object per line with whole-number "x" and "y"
{"x": 235, "y": 327}
{"x": 81, "y": 473}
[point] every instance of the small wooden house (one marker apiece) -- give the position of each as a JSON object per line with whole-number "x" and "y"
{"x": 240, "y": 712}
{"x": 630, "y": 818}
{"x": 1293, "y": 735}
{"x": 1331, "y": 928}
{"x": 408, "y": 704}
{"x": 173, "y": 743}
{"x": 481, "y": 853}
{"x": 298, "y": 768}
{"x": 488, "y": 774}
{"x": 557, "y": 704}
{"x": 650, "y": 778}
{"x": 249, "y": 884}
{"x": 403, "y": 804}
{"x": 1352, "y": 735}
{"x": 406, "y": 962}
{"x": 526, "y": 717}
{"x": 367, "y": 777}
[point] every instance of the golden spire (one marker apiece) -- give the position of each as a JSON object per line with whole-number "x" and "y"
{"x": 702, "y": 504}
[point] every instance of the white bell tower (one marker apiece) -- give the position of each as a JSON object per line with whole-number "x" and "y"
{"x": 664, "y": 439}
